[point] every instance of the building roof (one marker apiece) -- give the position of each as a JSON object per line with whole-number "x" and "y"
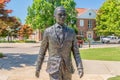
{"x": 83, "y": 10}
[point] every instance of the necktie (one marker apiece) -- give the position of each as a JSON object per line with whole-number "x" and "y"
{"x": 60, "y": 33}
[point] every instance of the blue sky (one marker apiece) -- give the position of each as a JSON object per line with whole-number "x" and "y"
{"x": 19, "y": 7}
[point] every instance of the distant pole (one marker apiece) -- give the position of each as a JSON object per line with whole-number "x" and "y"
{"x": 89, "y": 43}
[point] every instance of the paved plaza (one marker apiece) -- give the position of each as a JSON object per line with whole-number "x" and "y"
{"x": 19, "y": 63}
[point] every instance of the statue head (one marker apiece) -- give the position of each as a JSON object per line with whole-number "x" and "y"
{"x": 60, "y": 15}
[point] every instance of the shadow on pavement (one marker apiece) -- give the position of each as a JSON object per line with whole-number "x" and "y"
{"x": 17, "y": 60}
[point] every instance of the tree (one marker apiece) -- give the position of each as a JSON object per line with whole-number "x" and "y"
{"x": 3, "y": 12}
{"x": 40, "y": 13}
{"x": 8, "y": 24}
{"x": 3, "y": 16}
{"x": 25, "y": 31}
{"x": 3, "y": 31}
{"x": 108, "y": 18}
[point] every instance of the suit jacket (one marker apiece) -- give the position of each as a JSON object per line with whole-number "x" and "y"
{"x": 59, "y": 52}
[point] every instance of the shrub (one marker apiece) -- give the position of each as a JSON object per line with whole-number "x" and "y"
{"x": 26, "y": 41}
{"x": 1, "y": 55}
{"x": 19, "y": 41}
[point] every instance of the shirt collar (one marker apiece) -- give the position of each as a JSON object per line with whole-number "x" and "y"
{"x": 59, "y": 26}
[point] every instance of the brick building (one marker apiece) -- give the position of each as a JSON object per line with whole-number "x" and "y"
{"x": 86, "y": 23}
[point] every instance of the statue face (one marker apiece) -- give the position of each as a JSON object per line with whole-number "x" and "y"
{"x": 60, "y": 16}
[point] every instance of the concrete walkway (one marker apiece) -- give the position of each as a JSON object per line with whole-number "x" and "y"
{"x": 94, "y": 70}
{"x": 20, "y": 64}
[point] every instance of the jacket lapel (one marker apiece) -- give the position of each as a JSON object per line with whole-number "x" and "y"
{"x": 65, "y": 34}
{"x": 56, "y": 36}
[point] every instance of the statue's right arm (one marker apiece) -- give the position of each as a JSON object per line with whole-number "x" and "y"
{"x": 42, "y": 51}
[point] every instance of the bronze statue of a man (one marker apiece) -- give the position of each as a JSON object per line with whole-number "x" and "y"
{"x": 60, "y": 40}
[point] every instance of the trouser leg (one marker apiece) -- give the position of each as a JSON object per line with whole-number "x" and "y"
{"x": 66, "y": 75}
{"x": 62, "y": 74}
{"x": 55, "y": 76}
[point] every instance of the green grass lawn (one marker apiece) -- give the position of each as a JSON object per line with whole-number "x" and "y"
{"x": 115, "y": 78}
{"x": 108, "y": 54}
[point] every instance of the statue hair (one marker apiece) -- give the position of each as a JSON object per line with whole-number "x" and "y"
{"x": 59, "y": 8}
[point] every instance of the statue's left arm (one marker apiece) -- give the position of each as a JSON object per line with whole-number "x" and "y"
{"x": 76, "y": 55}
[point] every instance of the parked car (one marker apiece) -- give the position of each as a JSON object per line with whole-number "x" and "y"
{"x": 110, "y": 39}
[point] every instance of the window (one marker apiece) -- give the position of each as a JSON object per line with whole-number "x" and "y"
{"x": 89, "y": 23}
{"x": 90, "y": 14}
{"x": 81, "y": 23}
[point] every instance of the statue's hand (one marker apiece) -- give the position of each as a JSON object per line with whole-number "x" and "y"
{"x": 81, "y": 72}
{"x": 37, "y": 74}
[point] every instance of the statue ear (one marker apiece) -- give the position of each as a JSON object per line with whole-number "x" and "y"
{"x": 54, "y": 16}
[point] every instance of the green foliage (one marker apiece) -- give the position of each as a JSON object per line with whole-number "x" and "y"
{"x": 1, "y": 55}
{"x": 108, "y": 54}
{"x": 40, "y": 13}
{"x": 26, "y": 41}
{"x": 74, "y": 28}
{"x": 4, "y": 41}
{"x": 115, "y": 78}
{"x": 108, "y": 18}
